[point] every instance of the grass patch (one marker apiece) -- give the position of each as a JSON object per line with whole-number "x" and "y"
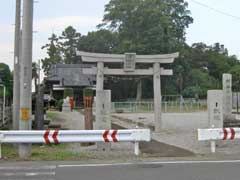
{"x": 4, "y": 128}
{"x": 8, "y": 152}
{"x": 52, "y": 114}
{"x": 47, "y": 153}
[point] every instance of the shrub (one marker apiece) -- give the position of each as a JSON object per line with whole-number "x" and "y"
{"x": 68, "y": 92}
{"x": 59, "y": 104}
{"x": 87, "y": 92}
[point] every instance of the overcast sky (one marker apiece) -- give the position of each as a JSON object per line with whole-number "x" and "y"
{"x": 54, "y": 15}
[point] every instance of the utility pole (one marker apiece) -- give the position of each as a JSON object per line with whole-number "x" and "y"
{"x": 26, "y": 75}
{"x": 16, "y": 85}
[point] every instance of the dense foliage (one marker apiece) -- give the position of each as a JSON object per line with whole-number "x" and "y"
{"x": 68, "y": 92}
{"x": 6, "y": 78}
{"x": 149, "y": 27}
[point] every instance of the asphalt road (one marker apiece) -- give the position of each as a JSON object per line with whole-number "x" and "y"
{"x": 211, "y": 170}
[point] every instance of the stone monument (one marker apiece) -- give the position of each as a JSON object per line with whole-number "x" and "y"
{"x": 227, "y": 96}
{"x": 66, "y": 105}
{"x": 103, "y": 114}
{"x": 215, "y": 108}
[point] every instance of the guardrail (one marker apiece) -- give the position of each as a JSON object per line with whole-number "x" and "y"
{"x": 218, "y": 134}
{"x": 70, "y": 136}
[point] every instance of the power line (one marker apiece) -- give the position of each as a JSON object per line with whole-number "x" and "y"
{"x": 216, "y": 10}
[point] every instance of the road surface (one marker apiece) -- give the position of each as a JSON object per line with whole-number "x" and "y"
{"x": 195, "y": 170}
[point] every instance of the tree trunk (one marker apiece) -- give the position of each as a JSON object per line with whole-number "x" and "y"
{"x": 39, "y": 109}
{"x": 35, "y": 84}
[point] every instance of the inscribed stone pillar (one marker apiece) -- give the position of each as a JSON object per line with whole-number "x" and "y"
{"x": 227, "y": 95}
{"x": 215, "y": 108}
{"x": 103, "y": 115}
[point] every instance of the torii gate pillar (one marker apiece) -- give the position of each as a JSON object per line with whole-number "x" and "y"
{"x": 100, "y": 76}
{"x": 157, "y": 96}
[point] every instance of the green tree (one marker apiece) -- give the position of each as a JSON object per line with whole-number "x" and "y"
{"x": 35, "y": 74}
{"x": 148, "y": 27}
{"x": 101, "y": 41}
{"x": 53, "y": 52}
{"x": 197, "y": 55}
{"x": 6, "y": 77}
{"x": 68, "y": 44}
{"x": 219, "y": 48}
{"x": 235, "y": 71}
{"x": 181, "y": 69}
{"x": 199, "y": 82}
{"x": 205, "y": 66}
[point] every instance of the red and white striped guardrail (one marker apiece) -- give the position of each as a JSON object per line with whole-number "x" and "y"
{"x": 68, "y": 136}
{"x": 218, "y": 134}
{"x": 112, "y": 135}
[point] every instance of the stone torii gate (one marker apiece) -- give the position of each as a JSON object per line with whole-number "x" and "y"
{"x": 129, "y": 61}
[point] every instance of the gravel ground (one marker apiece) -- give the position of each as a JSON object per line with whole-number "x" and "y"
{"x": 177, "y": 121}
{"x": 71, "y": 120}
{"x": 75, "y": 121}
{"x": 184, "y": 138}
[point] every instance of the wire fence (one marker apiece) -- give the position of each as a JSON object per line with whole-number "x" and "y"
{"x": 167, "y": 106}
{"x": 236, "y": 102}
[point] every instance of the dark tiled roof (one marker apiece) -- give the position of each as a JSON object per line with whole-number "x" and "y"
{"x": 71, "y": 75}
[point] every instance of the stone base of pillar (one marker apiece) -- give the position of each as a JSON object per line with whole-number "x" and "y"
{"x": 103, "y": 119}
{"x": 24, "y": 151}
{"x": 88, "y": 117}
